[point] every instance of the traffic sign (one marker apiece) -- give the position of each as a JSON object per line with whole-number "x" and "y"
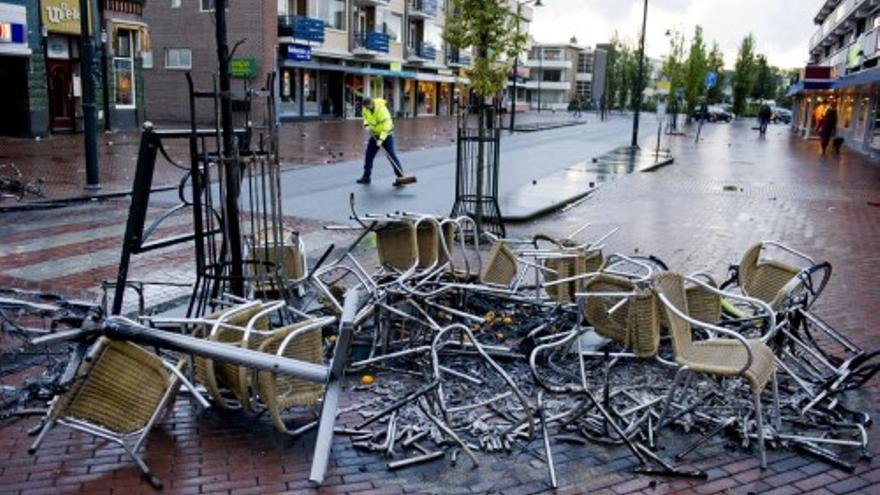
{"x": 711, "y": 79}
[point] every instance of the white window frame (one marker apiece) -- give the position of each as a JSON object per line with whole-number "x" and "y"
{"x": 132, "y": 45}
{"x": 178, "y": 67}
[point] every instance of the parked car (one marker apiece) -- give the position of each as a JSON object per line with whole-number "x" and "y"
{"x": 714, "y": 113}
{"x": 781, "y": 115}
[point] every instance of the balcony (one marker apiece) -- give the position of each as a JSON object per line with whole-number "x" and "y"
{"x": 370, "y": 43}
{"x": 548, "y": 64}
{"x": 838, "y": 21}
{"x": 458, "y": 59}
{"x": 422, "y": 9}
{"x": 370, "y": 3}
{"x": 421, "y": 53}
{"x": 301, "y": 28}
{"x": 549, "y": 85}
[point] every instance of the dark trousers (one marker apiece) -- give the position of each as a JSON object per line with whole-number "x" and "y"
{"x": 373, "y": 148}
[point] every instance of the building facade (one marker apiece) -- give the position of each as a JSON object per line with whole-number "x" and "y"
{"x": 40, "y": 70}
{"x": 559, "y": 73}
{"x": 843, "y": 69}
{"x": 327, "y": 54}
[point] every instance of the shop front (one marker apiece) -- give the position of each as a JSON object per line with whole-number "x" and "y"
{"x": 123, "y": 86}
{"x": 61, "y": 23}
{"x": 14, "y": 55}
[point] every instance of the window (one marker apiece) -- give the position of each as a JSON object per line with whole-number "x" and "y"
{"x": 585, "y": 62}
{"x": 332, "y": 12}
{"x": 123, "y": 68}
{"x": 178, "y": 58}
{"x": 551, "y": 76}
{"x": 206, "y": 5}
{"x": 434, "y": 35}
{"x": 175, "y": 4}
{"x": 389, "y": 23}
{"x": 583, "y": 88}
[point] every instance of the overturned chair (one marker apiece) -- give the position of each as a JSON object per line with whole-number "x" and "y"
{"x": 119, "y": 392}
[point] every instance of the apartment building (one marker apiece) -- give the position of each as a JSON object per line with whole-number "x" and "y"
{"x": 559, "y": 72}
{"x": 328, "y": 54}
{"x": 843, "y": 66}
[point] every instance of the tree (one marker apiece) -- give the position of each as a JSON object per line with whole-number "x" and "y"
{"x": 715, "y": 63}
{"x": 492, "y": 29}
{"x": 673, "y": 64}
{"x": 613, "y": 73}
{"x": 695, "y": 70}
{"x": 764, "y": 87}
{"x": 744, "y": 74}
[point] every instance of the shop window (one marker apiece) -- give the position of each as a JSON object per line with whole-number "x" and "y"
{"x": 123, "y": 68}
{"x": 178, "y": 58}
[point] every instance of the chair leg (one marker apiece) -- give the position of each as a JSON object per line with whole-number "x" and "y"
{"x": 675, "y": 382}
{"x": 39, "y": 440}
{"x": 776, "y": 406}
{"x": 152, "y": 478}
{"x": 759, "y": 417}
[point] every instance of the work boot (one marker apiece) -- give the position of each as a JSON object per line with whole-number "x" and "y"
{"x": 364, "y": 180}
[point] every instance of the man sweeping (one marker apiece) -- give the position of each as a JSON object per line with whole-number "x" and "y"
{"x": 377, "y": 119}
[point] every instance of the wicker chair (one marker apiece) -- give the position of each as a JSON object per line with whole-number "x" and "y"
{"x": 500, "y": 266}
{"x": 567, "y": 266}
{"x": 397, "y": 245}
{"x": 735, "y": 356}
{"x": 216, "y": 376}
{"x": 764, "y": 279}
{"x": 267, "y": 254}
{"x": 279, "y": 393}
{"x": 620, "y": 310}
{"x": 119, "y": 393}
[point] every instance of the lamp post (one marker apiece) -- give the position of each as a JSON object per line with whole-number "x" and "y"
{"x": 89, "y": 111}
{"x": 640, "y": 78}
{"x": 519, "y": 5}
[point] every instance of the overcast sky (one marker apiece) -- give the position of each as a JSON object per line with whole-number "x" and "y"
{"x": 782, "y": 28}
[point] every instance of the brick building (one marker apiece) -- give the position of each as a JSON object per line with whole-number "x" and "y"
{"x": 328, "y": 54}
{"x": 40, "y": 71}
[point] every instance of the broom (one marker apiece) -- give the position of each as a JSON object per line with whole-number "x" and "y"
{"x": 401, "y": 180}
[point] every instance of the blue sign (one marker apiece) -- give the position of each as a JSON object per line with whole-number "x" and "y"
{"x": 711, "y": 79}
{"x": 300, "y": 53}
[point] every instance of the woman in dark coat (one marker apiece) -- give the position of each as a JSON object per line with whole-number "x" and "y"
{"x": 828, "y": 126}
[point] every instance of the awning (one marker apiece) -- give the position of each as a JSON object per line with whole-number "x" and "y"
{"x": 807, "y": 85}
{"x": 869, "y": 76}
{"x": 427, "y": 76}
{"x": 349, "y": 69}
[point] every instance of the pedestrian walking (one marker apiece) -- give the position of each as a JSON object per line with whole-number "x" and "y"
{"x": 828, "y": 125}
{"x": 377, "y": 119}
{"x": 764, "y": 116}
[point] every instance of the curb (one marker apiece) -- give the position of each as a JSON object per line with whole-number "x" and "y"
{"x": 60, "y": 203}
{"x": 548, "y": 127}
{"x": 574, "y": 199}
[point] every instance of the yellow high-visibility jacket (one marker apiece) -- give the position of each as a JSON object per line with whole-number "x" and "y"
{"x": 378, "y": 121}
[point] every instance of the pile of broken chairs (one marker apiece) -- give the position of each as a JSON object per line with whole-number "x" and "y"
{"x": 501, "y": 342}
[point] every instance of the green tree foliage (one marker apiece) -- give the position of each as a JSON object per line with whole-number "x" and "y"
{"x": 613, "y": 74}
{"x": 744, "y": 74}
{"x": 715, "y": 63}
{"x": 766, "y": 79}
{"x": 673, "y": 64}
{"x": 491, "y": 29}
{"x": 695, "y": 70}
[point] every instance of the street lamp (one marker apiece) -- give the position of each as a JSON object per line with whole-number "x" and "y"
{"x": 519, "y": 5}
{"x": 640, "y": 78}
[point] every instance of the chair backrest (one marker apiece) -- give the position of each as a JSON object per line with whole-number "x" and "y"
{"x": 119, "y": 389}
{"x": 671, "y": 286}
{"x": 574, "y": 264}
{"x": 397, "y": 244}
{"x": 633, "y": 323}
{"x": 764, "y": 279}
{"x": 428, "y": 241}
{"x": 500, "y": 266}
{"x": 281, "y": 392}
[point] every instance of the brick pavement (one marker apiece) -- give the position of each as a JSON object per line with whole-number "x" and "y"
{"x": 701, "y": 213}
{"x": 59, "y": 159}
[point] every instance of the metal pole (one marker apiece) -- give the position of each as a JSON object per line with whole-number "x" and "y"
{"x": 231, "y": 169}
{"x": 640, "y": 78}
{"x": 90, "y": 112}
{"x": 515, "y": 68}
{"x": 540, "y": 75}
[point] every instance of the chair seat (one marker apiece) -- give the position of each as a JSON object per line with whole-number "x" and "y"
{"x": 727, "y": 357}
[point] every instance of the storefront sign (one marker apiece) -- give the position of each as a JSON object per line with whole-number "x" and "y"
{"x": 301, "y": 53}
{"x": 395, "y": 67}
{"x": 13, "y": 30}
{"x": 242, "y": 68}
{"x": 60, "y": 16}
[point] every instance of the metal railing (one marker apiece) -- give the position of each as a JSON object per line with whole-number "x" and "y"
{"x": 372, "y": 40}
{"x": 301, "y": 28}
